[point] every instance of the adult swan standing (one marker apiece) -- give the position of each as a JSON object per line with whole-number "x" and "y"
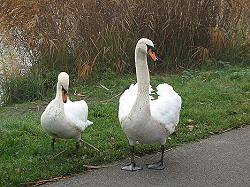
{"x": 143, "y": 119}
{"x": 62, "y": 119}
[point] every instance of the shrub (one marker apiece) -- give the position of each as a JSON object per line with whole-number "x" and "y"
{"x": 18, "y": 88}
{"x": 81, "y": 37}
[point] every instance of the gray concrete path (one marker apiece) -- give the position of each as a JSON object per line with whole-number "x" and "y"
{"x": 221, "y": 160}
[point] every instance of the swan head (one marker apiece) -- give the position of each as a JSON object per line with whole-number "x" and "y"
{"x": 63, "y": 81}
{"x": 146, "y": 47}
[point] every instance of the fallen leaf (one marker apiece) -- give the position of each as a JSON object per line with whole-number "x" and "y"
{"x": 190, "y": 128}
{"x": 18, "y": 170}
{"x": 190, "y": 121}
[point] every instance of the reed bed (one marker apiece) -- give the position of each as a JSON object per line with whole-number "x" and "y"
{"x": 85, "y": 36}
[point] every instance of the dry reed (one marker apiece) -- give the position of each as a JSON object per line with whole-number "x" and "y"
{"x": 80, "y": 36}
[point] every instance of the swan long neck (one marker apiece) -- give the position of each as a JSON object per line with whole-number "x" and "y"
{"x": 59, "y": 93}
{"x": 142, "y": 101}
{"x": 142, "y": 73}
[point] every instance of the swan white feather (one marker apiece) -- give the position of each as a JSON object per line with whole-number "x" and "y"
{"x": 127, "y": 100}
{"x": 77, "y": 112}
{"x": 65, "y": 120}
{"x": 165, "y": 109}
{"x": 142, "y": 118}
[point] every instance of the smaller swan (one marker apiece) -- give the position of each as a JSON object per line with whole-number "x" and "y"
{"x": 63, "y": 118}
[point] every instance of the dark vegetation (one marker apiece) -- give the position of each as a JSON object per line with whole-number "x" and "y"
{"x": 94, "y": 36}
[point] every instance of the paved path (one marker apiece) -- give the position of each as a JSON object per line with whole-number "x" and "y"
{"x": 221, "y": 160}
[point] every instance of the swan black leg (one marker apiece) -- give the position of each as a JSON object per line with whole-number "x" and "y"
{"x": 158, "y": 165}
{"x": 53, "y": 146}
{"x": 174, "y": 133}
{"x": 77, "y": 147}
{"x": 132, "y": 166}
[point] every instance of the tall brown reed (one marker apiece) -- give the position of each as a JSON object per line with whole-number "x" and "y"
{"x": 80, "y": 36}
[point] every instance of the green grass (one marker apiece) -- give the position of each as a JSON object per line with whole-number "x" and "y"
{"x": 213, "y": 101}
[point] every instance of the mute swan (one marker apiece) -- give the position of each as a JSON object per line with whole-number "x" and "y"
{"x": 63, "y": 118}
{"x": 143, "y": 119}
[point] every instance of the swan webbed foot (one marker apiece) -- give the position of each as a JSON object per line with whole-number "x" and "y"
{"x": 131, "y": 167}
{"x": 156, "y": 166}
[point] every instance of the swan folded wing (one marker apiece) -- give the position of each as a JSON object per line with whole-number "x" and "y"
{"x": 166, "y": 109}
{"x": 76, "y": 113}
{"x": 127, "y": 101}
{"x": 78, "y": 125}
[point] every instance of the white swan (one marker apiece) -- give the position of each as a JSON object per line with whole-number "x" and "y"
{"x": 62, "y": 118}
{"x": 143, "y": 119}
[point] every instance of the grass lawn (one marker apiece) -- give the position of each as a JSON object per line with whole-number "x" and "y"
{"x": 213, "y": 101}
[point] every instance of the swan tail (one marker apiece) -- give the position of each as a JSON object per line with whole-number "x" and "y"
{"x": 88, "y": 123}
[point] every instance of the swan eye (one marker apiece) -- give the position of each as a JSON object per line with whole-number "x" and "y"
{"x": 151, "y": 47}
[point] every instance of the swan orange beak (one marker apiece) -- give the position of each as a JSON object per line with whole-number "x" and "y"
{"x": 152, "y": 55}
